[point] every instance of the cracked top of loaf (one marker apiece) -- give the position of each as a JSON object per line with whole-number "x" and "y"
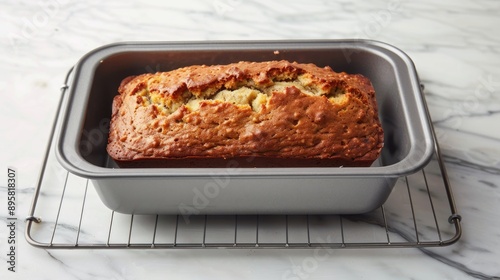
{"x": 260, "y": 111}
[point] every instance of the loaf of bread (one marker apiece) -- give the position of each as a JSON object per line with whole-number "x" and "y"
{"x": 260, "y": 114}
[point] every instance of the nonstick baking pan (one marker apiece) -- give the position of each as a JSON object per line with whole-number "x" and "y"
{"x": 232, "y": 189}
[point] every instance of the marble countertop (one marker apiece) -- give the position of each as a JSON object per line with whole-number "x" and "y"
{"x": 455, "y": 46}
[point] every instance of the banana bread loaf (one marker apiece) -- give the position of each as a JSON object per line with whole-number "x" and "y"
{"x": 261, "y": 114}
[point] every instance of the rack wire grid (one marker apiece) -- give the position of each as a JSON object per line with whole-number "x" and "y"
{"x": 66, "y": 213}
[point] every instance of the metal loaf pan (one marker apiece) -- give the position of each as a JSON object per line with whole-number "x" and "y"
{"x": 235, "y": 190}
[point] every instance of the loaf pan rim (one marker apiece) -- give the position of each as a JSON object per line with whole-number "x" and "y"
{"x": 401, "y": 168}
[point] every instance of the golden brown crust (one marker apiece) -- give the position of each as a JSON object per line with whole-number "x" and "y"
{"x": 268, "y": 110}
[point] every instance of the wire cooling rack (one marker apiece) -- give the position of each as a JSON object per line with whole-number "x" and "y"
{"x": 66, "y": 213}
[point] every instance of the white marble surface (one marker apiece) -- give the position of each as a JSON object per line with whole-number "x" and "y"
{"x": 454, "y": 44}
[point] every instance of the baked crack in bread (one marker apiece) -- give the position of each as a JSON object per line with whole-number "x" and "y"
{"x": 260, "y": 114}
